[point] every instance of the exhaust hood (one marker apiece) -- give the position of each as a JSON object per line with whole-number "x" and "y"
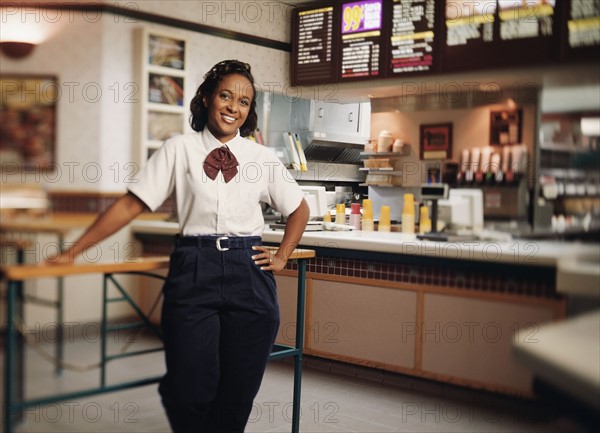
{"x": 330, "y": 133}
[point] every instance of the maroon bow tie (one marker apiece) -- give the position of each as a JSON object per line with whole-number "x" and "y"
{"x": 221, "y": 159}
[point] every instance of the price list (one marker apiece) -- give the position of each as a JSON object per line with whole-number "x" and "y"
{"x": 584, "y": 23}
{"x": 314, "y": 46}
{"x": 361, "y": 39}
{"x": 412, "y": 36}
{"x": 533, "y": 20}
{"x": 469, "y": 23}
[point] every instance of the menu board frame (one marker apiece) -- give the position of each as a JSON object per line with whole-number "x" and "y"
{"x": 568, "y": 53}
{"x": 436, "y": 45}
{"x": 294, "y": 67}
{"x": 382, "y": 42}
{"x": 497, "y": 54}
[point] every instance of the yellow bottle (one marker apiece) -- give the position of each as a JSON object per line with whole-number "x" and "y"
{"x": 424, "y": 221}
{"x": 408, "y": 214}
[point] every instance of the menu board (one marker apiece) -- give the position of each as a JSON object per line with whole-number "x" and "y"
{"x": 313, "y": 52}
{"x": 351, "y": 40}
{"x": 490, "y": 33}
{"x": 412, "y": 33}
{"x": 469, "y": 32}
{"x": 361, "y": 39}
{"x": 583, "y": 29}
{"x": 532, "y": 20}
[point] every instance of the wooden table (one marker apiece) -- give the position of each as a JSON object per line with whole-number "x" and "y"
{"x": 59, "y": 225}
{"x": 17, "y": 274}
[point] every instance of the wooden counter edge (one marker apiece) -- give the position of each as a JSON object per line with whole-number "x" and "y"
{"x": 29, "y": 272}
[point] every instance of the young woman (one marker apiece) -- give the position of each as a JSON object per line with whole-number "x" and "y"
{"x": 220, "y": 313}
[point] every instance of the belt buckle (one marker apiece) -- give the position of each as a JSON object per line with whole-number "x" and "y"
{"x": 218, "y": 243}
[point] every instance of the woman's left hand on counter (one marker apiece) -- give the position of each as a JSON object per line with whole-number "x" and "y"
{"x": 267, "y": 260}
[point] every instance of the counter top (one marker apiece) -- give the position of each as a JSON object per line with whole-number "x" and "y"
{"x": 531, "y": 253}
{"x": 565, "y": 354}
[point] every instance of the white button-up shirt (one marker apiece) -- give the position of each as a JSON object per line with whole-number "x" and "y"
{"x": 213, "y": 207}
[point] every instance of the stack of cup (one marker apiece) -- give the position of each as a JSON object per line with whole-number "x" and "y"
{"x": 408, "y": 214}
{"x": 384, "y": 219}
{"x": 367, "y": 221}
{"x": 340, "y": 213}
{"x": 385, "y": 141}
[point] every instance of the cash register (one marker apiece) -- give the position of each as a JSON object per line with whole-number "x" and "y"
{"x": 316, "y": 198}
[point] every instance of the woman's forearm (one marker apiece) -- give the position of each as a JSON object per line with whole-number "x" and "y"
{"x": 119, "y": 214}
{"x": 296, "y": 223}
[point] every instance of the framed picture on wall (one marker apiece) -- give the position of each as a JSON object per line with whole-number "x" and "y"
{"x": 28, "y": 119}
{"x": 436, "y": 141}
{"x": 166, "y": 51}
{"x": 505, "y": 127}
{"x": 165, "y": 89}
{"x": 162, "y": 126}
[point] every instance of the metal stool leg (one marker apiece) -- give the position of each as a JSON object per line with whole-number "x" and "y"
{"x": 11, "y": 412}
{"x": 299, "y": 345}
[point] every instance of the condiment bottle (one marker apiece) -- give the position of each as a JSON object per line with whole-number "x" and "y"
{"x": 367, "y": 220}
{"x": 408, "y": 214}
{"x": 384, "y": 219}
{"x": 327, "y": 217}
{"x": 340, "y": 213}
{"x": 355, "y": 216}
{"x": 424, "y": 221}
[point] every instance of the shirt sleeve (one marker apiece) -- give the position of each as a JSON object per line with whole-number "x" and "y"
{"x": 284, "y": 192}
{"x": 156, "y": 180}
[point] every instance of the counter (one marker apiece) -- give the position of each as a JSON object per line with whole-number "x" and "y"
{"x": 445, "y": 311}
{"x": 529, "y": 252}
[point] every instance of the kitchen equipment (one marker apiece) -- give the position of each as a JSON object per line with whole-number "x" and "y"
{"x": 317, "y": 200}
{"x": 434, "y": 192}
{"x": 343, "y": 194}
{"x": 462, "y": 209}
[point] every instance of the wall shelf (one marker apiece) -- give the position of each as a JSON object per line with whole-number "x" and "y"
{"x": 162, "y": 71}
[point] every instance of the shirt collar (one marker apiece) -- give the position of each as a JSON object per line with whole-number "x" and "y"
{"x": 211, "y": 143}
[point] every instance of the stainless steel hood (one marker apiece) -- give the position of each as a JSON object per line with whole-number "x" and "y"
{"x": 331, "y": 132}
{"x": 332, "y": 135}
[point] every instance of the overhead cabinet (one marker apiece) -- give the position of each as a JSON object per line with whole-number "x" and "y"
{"x": 340, "y": 122}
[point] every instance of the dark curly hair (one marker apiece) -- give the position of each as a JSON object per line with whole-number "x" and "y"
{"x": 212, "y": 79}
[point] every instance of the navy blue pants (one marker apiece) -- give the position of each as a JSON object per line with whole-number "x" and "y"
{"x": 219, "y": 320}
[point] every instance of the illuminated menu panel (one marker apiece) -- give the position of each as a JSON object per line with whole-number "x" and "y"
{"x": 532, "y": 20}
{"x": 469, "y": 23}
{"x": 583, "y": 25}
{"x": 412, "y": 34}
{"x": 501, "y": 33}
{"x": 361, "y": 39}
{"x": 313, "y": 50}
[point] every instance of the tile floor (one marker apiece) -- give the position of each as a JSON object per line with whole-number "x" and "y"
{"x": 331, "y": 402}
